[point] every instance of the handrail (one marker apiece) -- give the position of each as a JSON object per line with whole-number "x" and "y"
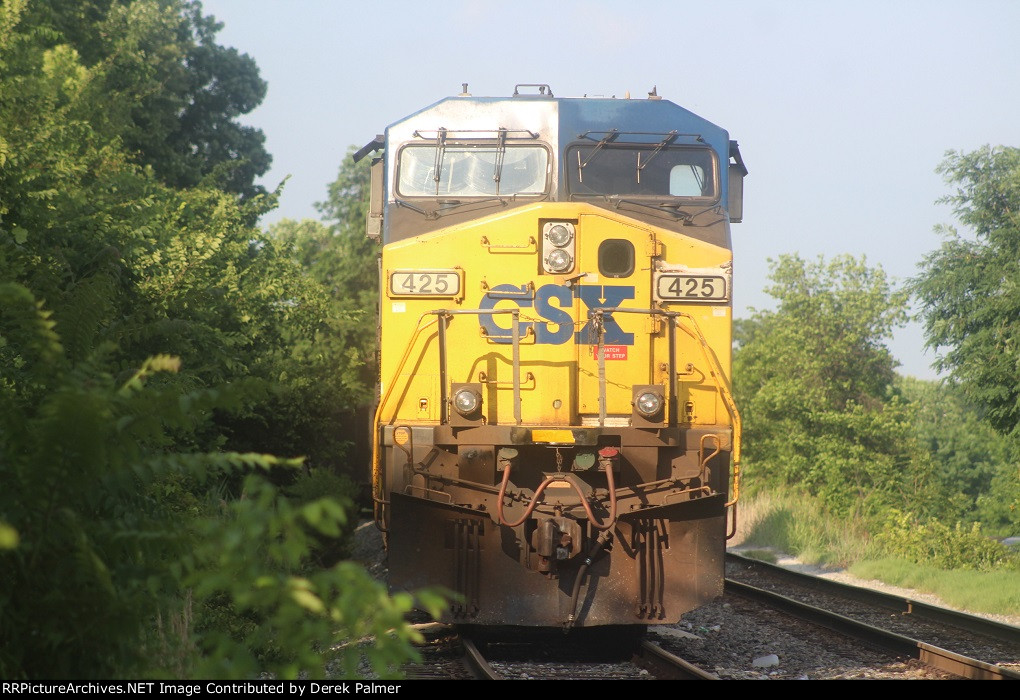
{"x": 377, "y": 486}
{"x": 731, "y": 407}
{"x": 442, "y": 315}
{"x": 715, "y": 370}
{"x": 515, "y": 333}
{"x": 441, "y": 319}
{"x": 522, "y": 248}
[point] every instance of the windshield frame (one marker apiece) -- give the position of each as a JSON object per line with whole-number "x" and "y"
{"x": 580, "y": 156}
{"x": 494, "y": 146}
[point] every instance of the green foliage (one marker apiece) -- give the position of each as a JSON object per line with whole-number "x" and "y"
{"x": 308, "y": 486}
{"x": 936, "y": 544}
{"x": 318, "y": 622}
{"x": 813, "y": 381}
{"x": 95, "y": 543}
{"x": 340, "y": 359}
{"x": 344, "y": 259}
{"x": 131, "y": 265}
{"x": 900, "y": 464}
{"x": 800, "y": 525}
{"x": 973, "y": 468}
{"x": 998, "y": 509}
{"x": 170, "y": 92}
{"x": 969, "y": 289}
{"x": 129, "y": 482}
{"x": 961, "y": 565}
{"x": 79, "y": 453}
{"x": 832, "y": 320}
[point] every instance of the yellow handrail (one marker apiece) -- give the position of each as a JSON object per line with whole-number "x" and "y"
{"x": 377, "y": 486}
{"x": 731, "y": 406}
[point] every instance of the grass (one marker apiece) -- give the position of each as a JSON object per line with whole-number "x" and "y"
{"x": 993, "y": 592}
{"x": 796, "y": 525}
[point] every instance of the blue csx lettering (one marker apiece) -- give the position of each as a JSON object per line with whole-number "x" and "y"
{"x": 552, "y": 302}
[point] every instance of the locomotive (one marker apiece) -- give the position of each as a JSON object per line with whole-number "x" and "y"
{"x": 554, "y": 439}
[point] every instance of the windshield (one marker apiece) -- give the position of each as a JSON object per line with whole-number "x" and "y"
{"x": 471, "y": 171}
{"x": 642, "y": 170}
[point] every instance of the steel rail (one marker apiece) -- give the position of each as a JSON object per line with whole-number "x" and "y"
{"x": 928, "y": 654}
{"x": 477, "y": 663}
{"x": 667, "y": 665}
{"x": 899, "y": 604}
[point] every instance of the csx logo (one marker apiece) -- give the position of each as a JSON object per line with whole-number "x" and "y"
{"x": 554, "y": 302}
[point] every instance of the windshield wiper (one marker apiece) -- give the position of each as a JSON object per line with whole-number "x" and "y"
{"x": 407, "y": 205}
{"x": 608, "y": 138}
{"x": 440, "y": 151}
{"x": 500, "y": 152}
{"x": 670, "y": 138}
{"x": 689, "y": 218}
{"x": 446, "y": 206}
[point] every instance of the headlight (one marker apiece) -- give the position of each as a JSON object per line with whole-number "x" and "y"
{"x": 648, "y": 404}
{"x": 466, "y": 402}
{"x": 559, "y": 235}
{"x": 559, "y": 260}
{"x": 559, "y": 239}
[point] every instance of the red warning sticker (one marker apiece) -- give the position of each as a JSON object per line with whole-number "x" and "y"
{"x": 613, "y": 352}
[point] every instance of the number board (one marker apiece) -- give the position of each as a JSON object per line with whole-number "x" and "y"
{"x": 691, "y": 287}
{"x": 425, "y": 283}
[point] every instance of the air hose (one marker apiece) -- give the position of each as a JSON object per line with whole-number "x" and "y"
{"x": 600, "y": 542}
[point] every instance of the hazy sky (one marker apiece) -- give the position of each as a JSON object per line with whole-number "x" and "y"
{"x": 843, "y": 110}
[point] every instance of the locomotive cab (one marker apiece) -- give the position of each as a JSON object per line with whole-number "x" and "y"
{"x": 555, "y": 438}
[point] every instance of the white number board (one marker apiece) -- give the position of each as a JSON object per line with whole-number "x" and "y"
{"x": 424, "y": 283}
{"x": 672, "y": 286}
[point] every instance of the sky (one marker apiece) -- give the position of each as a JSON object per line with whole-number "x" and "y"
{"x": 843, "y": 109}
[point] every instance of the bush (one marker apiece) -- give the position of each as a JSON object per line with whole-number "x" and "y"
{"x": 273, "y": 613}
{"x": 310, "y": 485}
{"x": 938, "y": 545}
{"x": 122, "y": 555}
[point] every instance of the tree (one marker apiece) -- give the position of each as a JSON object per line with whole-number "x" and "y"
{"x": 107, "y": 570}
{"x": 972, "y": 466}
{"x": 150, "y": 339}
{"x": 128, "y": 263}
{"x": 172, "y": 94}
{"x": 339, "y": 368}
{"x": 813, "y": 382}
{"x": 969, "y": 288}
{"x": 350, "y": 268}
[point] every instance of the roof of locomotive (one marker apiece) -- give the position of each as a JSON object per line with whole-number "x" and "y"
{"x": 563, "y": 119}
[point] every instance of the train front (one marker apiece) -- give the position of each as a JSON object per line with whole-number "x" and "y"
{"x": 555, "y": 433}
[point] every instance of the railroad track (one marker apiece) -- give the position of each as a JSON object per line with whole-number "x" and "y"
{"x": 808, "y": 627}
{"x": 965, "y": 645}
{"x": 481, "y": 668}
{"x": 459, "y": 656}
{"x": 667, "y": 666}
{"x": 443, "y": 655}
{"x": 647, "y": 661}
